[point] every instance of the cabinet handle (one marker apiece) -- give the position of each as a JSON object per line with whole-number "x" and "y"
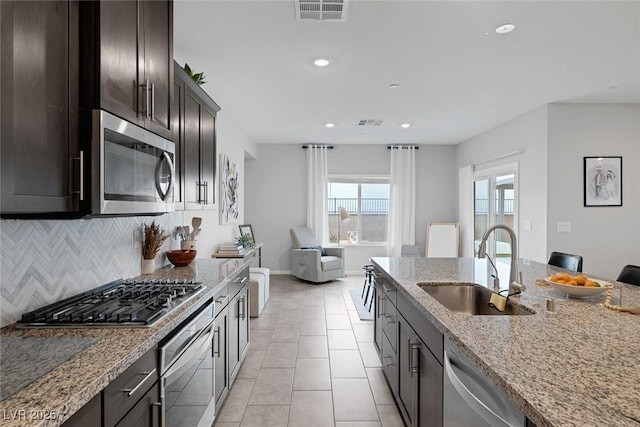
{"x": 131, "y": 391}
{"x": 222, "y": 300}
{"x": 153, "y": 100}
{"x": 216, "y": 332}
{"x": 146, "y": 92}
{"x": 244, "y": 308}
{"x": 409, "y": 357}
{"x": 244, "y": 280}
{"x": 413, "y": 346}
{"x": 386, "y": 319}
{"x": 380, "y": 298}
{"x": 80, "y": 160}
{"x": 206, "y": 192}
{"x": 385, "y": 361}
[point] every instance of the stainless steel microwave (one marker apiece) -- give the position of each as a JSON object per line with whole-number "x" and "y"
{"x": 132, "y": 169}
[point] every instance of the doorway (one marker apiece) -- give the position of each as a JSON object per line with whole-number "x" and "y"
{"x": 495, "y": 202}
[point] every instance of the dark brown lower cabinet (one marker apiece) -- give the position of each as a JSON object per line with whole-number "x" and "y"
{"x": 410, "y": 349}
{"x": 420, "y": 377}
{"x": 89, "y": 415}
{"x": 238, "y": 330}
{"x": 220, "y": 356}
{"x": 146, "y": 413}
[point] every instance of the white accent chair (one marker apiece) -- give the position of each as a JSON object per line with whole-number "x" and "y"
{"x": 307, "y": 261}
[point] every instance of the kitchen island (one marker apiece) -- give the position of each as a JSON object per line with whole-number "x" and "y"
{"x": 577, "y": 366}
{"x": 70, "y": 366}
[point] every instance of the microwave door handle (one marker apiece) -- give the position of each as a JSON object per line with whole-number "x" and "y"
{"x": 165, "y": 158}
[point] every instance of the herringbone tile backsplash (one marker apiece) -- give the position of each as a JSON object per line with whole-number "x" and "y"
{"x": 44, "y": 261}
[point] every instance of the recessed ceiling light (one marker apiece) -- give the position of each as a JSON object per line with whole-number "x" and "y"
{"x": 505, "y": 28}
{"x": 329, "y": 125}
{"x": 394, "y": 85}
{"x": 321, "y": 62}
{"x": 405, "y": 125}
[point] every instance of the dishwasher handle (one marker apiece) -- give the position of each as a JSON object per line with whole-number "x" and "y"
{"x": 471, "y": 399}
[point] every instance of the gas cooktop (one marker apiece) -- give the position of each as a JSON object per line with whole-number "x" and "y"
{"x": 130, "y": 303}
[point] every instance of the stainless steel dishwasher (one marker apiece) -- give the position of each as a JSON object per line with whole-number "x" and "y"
{"x": 470, "y": 399}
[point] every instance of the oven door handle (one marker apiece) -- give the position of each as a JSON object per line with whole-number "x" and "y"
{"x": 165, "y": 158}
{"x": 196, "y": 349}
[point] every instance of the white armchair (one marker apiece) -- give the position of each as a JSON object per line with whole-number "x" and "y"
{"x": 308, "y": 262}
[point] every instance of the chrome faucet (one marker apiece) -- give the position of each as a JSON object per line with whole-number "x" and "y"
{"x": 515, "y": 278}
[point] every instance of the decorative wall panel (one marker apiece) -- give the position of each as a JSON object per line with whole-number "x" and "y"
{"x": 43, "y": 261}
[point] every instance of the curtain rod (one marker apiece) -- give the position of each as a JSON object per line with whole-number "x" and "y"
{"x": 328, "y": 147}
{"x": 400, "y": 147}
{"x": 493, "y": 159}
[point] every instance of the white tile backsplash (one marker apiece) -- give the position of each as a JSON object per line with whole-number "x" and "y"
{"x": 43, "y": 261}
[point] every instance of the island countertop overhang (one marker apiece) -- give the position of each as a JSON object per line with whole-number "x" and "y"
{"x": 577, "y": 366}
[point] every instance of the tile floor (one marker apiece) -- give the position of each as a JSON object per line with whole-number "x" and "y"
{"x": 311, "y": 363}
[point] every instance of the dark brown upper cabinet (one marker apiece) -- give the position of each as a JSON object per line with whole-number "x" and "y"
{"x": 195, "y": 139}
{"x": 39, "y": 107}
{"x": 130, "y": 50}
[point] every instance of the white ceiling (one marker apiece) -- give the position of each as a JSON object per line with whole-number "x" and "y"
{"x": 457, "y": 77}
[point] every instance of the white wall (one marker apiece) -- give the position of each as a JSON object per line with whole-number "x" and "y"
{"x": 606, "y": 237}
{"x": 527, "y": 133}
{"x": 276, "y": 201}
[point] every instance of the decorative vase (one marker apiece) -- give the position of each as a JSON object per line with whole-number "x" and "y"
{"x": 148, "y": 265}
{"x": 188, "y": 244}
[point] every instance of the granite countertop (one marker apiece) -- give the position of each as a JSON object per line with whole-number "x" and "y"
{"x": 578, "y": 366}
{"x": 80, "y": 362}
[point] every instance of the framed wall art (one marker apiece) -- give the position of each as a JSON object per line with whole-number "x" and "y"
{"x": 229, "y": 185}
{"x": 603, "y": 181}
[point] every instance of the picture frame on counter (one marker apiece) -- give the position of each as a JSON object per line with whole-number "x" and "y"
{"x": 603, "y": 181}
{"x": 247, "y": 229}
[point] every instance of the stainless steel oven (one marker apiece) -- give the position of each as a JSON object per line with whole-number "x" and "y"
{"x": 132, "y": 169}
{"x": 187, "y": 372}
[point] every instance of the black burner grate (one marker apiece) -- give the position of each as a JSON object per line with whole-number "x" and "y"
{"x": 131, "y": 302}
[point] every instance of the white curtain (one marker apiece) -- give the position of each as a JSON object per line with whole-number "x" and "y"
{"x": 465, "y": 210}
{"x": 317, "y": 219}
{"x": 402, "y": 204}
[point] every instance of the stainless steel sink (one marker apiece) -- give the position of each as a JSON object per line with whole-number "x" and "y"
{"x": 471, "y": 299}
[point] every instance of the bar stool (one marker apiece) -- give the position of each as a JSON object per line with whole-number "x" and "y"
{"x": 367, "y": 288}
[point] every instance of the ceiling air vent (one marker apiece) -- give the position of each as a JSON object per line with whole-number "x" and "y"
{"x": 370, "y": 122}
{"x": 321, "y": 10}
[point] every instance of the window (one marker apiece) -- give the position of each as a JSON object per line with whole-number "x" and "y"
{"x": 495, "y": 197}
{"x": 358, "y": 209}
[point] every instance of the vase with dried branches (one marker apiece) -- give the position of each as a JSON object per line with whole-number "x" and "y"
{"x": 153, "y": 238}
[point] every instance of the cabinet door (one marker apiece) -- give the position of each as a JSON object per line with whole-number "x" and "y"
{"x": 378, "y": 316}
{"x": 407, "y": 378}
{"x": 220, "y": 363}
{"x": 89, "y": 415}
{"x": 146, "y": 413}
{"x": 39, "y": 106}
{"x": 177, "y": 136}
{"x": 157, "y": 48}
{"x": 234, "y": 324}
{"x": 208, "y": 156}
{"x": 430, "y": 387}
{"x": 192, "y": 188}
{"x": 119, "y": 66}
{"x": 243, "y": 330}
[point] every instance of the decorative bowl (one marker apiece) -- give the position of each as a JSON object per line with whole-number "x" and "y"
{"x": 180, "y": 257}
{"x": 580, "y": 291}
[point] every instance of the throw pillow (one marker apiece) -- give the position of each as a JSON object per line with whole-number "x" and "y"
{"x": 320, "y": 248}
